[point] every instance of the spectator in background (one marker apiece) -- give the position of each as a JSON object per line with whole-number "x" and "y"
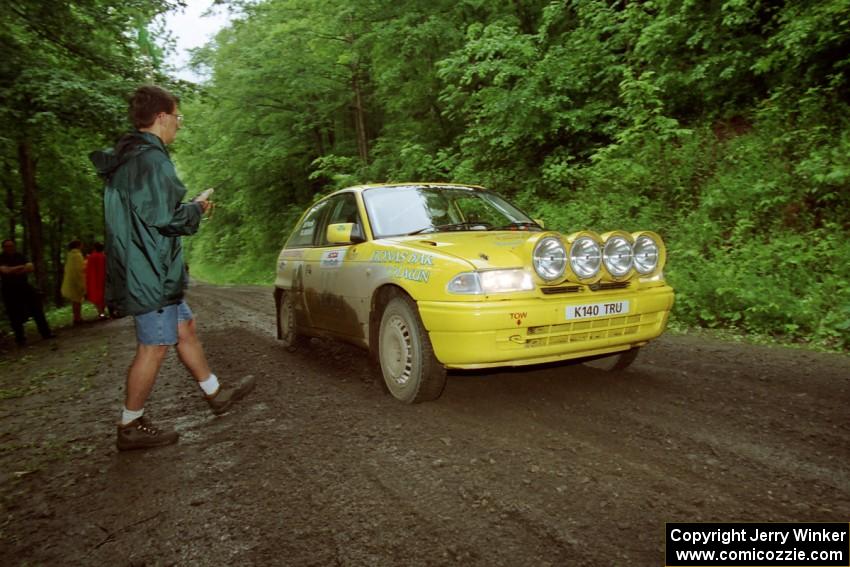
{"x": 22, "y": 301}
{"x": 74, "y": 282}
{"x": 96, "y": 279}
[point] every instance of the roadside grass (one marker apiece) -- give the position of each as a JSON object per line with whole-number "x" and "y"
{"x": 57, "y": 318}
{"x": 735, "y": 335}
{"x": 86, "y": 365}
{"x": 260, "y": 271}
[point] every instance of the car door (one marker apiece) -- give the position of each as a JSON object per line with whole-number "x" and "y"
{"x": 300, "y": 255}
{"x": 330, "y": 301}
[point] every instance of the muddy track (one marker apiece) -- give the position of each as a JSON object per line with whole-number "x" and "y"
{"x": 557, "y": 465}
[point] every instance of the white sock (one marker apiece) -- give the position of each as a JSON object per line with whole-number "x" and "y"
{"x": 131, "y": 415}
{"x": 210, "y": 385}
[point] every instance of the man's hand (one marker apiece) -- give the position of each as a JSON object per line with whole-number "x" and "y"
{"x": 204, "y": 199}
{"x": 205, "y": 194}
{"x": 205, "y": 205}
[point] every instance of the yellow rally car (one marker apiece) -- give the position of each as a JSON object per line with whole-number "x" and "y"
{"x": 430, "y": 276}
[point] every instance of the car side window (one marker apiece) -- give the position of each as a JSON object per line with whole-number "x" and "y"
{"x": 343, "y": 209}
{"x": 304, "y": 233}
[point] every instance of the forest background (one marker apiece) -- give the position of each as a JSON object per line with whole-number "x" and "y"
{"x": 724, "y": 125}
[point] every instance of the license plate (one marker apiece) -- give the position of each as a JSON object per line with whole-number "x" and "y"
{"x": 591, "y": 310}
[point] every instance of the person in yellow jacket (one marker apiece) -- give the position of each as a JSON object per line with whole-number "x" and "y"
{"x": 74, "y": 282}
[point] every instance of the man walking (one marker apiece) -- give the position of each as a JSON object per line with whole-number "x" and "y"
{"x": 145, "y": 275}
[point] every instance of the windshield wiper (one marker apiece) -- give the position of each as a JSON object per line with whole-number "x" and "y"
{"x": 517, "y": 224}
{"x": 453, "y": 226}
{"x": 422, "y": 230}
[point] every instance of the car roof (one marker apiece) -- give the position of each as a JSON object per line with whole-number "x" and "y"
{"x": 436, "y": 185}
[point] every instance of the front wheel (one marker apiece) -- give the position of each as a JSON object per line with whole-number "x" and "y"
{"x": 613, "y": 362}
{"x": 286, "y": 323}
{"x": 411, "y": 372}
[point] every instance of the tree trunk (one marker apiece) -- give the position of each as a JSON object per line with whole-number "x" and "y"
{"x": 56, "y": 249}
{"x": 359, "y": 115}
{"x": 10, "y": 204}
{"x": 32, "y": 216}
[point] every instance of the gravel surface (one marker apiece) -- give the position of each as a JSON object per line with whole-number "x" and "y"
{"x": 555, "y": 465}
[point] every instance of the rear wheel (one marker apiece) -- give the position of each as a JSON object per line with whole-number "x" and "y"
{"x": 411, "y": 372}
{"x": 286, "y": 321}
{"x": 614, "y": 362}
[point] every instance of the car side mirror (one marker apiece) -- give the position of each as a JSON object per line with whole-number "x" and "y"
{"x": 345, "y": 233}
{"x": 540, "y": 222}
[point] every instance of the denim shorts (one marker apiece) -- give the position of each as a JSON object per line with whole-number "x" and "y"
{"x": 159, "y": 327}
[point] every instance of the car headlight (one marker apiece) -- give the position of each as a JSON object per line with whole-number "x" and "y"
{"x": 549, "y": 258}
{"x": 585, "y": 257}
{"x": 646, "y": 254}
{"x": 617, "y": 255}
{"x": 491, "y": 281}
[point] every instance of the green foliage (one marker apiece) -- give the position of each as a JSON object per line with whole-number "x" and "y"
{"x": 722, "y": 125}
{"x": 251, "y": 270}
{"x": 65, "y": 72}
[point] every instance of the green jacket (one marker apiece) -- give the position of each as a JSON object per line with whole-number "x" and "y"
{"x": 145, "y": 218}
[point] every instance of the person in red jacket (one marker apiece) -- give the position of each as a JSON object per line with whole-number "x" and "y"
{"x": 96, "y": 279}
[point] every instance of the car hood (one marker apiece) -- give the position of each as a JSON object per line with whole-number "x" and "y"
{"x": 484, "y": 250}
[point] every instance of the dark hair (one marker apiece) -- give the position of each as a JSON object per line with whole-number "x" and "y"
{"x": 98, "y": 246}
{"x": 74, "y": 244}
{"x": 8, "y": 240}
{"x": 147, "y": 102}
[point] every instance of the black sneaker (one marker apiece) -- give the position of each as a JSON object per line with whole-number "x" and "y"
{"x": 221, "y": 401}
{"x": 142, "y": 434}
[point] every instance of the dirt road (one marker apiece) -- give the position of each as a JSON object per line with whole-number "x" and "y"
{"x": 561, "y": 465}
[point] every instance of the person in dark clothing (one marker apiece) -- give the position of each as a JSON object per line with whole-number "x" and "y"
{"x": 145, "y": 275}
{"x": 20, "y": 298}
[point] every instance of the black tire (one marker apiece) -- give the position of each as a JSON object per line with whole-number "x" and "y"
{"x": 286, "y": 322}
{"x": 411, "y": 372}
{"x": 613, "y": 362}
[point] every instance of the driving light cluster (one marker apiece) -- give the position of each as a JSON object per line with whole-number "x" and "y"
{"x": 588, "y": 257}
{"x": 617, "y": 255}
{"x": 585, "y": 257}
{"x": 491, "y": 281}
{"x": 646, "y": 254}
{"x": 550, "y": 258}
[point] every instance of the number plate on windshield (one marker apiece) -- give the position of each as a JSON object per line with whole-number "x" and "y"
{"x": 591, "y": 310}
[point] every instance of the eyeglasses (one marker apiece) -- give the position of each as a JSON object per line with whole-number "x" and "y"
{"x": 179, "y": 117}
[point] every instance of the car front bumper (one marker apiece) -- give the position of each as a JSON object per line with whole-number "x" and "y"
{"x": 467, "y": 334}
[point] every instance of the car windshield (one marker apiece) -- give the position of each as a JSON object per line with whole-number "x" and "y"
{"x": 405, "y": 210}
